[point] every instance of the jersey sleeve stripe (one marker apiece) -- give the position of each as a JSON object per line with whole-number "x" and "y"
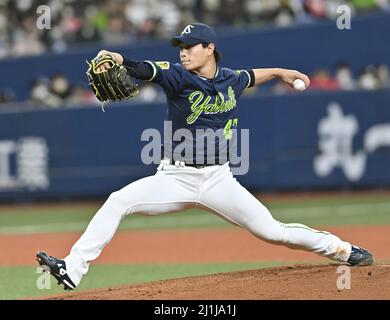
{"x": 249, "y": 78}
{"x": 154, "y": 70}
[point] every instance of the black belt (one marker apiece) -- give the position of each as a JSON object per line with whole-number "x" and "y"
{"x": 194, "y": 165}
{"x": 199, "y": 166}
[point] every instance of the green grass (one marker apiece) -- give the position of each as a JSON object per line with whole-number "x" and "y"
{"x": 21, "y": 282}
{"x": 324, "y": 211}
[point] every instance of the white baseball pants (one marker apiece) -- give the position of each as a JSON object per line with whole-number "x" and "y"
{"x": 214, "y": 188}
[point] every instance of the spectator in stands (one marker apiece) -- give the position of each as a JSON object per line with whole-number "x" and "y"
{"x": 116, "y": 32}
{"x": 280, "y": 88}
{"x": 123, "y": 21}
{"x": 315, "y": 8}
{"x": 322, "y": 80}
{"x": 148, "y": 93}
{"x": 383, "y": 76}
{"x": 344, "y": 77}
{"x": 41, "y": 96}
{"x": 384, "y": 5}
{"x": 363, "y": 6}
{"x": 26, "y": 38}
{"x": 368, "y": 79}
{"x": 113, "y": 21}
{"x": 59, "y": 92}
{"x": 81, "y": 97}
{"x": 284, "y": 15}
{"x": 4, "y": 41}
{"x": 230, "y": 12}
{"x": 7, "y": 96}
{"x": 60, "y": 87}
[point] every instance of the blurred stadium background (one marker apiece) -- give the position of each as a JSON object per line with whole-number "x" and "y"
{"x": 56, "y": 146}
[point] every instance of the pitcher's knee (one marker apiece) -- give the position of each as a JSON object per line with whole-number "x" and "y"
{"x": 271, "y": 232}
{"x": 272, "y": 237}
{"x": 115, "y": 197}
{"x": 118, "y": 202}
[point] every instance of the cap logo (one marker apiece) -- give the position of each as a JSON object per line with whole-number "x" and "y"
{"x": 187, "y": 29}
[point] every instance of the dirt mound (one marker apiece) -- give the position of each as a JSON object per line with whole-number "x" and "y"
{"x": 291, "y": 282}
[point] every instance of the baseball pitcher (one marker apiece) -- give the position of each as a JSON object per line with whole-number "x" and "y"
{"x": 200, "y": 95}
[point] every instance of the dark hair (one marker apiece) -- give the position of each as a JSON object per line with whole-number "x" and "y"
{"x": 217, "y": 55}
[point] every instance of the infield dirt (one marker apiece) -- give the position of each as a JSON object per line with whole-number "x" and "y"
{"x": 291, "y": 282}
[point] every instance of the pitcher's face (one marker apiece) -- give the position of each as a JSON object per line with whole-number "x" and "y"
{"x": 196, "y": 56}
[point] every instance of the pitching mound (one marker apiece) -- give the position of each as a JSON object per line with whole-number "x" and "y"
{"x": 291, "y": 282}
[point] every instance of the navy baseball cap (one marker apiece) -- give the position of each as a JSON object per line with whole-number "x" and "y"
{"x": 196, "y": 33}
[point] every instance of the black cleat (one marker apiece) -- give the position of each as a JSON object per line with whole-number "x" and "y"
{"x": 360, "y": 257}
{"x": 57, "y": 269}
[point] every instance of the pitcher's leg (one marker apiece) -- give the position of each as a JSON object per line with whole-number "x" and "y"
{"x": 152, "y": 195}
{"x": 241, "y": 207}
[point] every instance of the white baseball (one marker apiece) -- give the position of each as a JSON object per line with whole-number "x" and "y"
{"x": 299, "y": 85}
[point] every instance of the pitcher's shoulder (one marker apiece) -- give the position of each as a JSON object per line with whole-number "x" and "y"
{"x": 228, "y": 72}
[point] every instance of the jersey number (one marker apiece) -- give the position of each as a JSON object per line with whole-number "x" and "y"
{"x": 231, "y": 124}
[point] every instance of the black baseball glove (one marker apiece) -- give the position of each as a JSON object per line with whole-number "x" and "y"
{"x": 112, "y": 84}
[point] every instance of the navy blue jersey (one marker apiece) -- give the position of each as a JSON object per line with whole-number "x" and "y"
{"x": 196, "y": 104}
